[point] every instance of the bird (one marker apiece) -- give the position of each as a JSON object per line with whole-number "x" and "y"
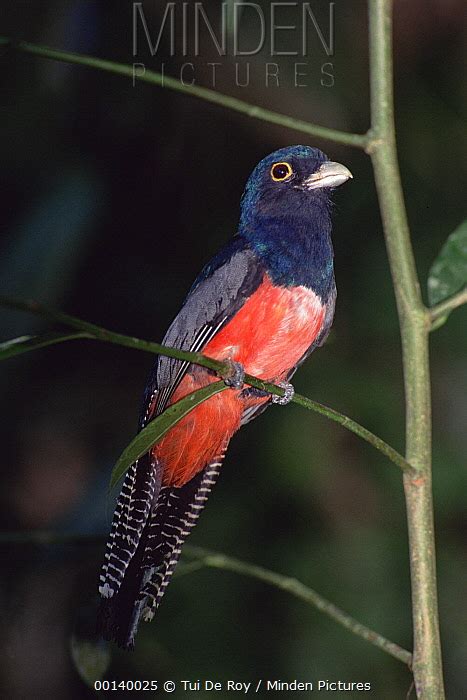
{"x": 262, "y": 305}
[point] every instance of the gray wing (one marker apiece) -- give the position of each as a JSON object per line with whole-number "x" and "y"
{"x": 218, "y": 293}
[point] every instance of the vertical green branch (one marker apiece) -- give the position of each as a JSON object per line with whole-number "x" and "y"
{"x": 414, "y": 325}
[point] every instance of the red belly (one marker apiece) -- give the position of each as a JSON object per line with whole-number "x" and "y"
{"x": 268, "y": 335}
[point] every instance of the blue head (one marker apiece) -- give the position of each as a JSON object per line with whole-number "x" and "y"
{"x": 286, "y": 215}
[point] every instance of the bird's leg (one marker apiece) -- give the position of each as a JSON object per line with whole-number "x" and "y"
{"x": 235, "y": 374}
{"x": 289, "y": 392}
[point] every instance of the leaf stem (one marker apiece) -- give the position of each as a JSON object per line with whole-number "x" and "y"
{"x": 17, "y": 346}
{"x": 154, "y": 78}
{"x": 414, "y": 327}
{"x": 445, "y": 307}
{"x": 98, "y": 333}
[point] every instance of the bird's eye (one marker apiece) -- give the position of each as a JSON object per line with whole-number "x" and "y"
{"x": 281, "y": 172}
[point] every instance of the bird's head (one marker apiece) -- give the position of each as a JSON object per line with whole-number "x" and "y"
{"x": 292, "y": 182}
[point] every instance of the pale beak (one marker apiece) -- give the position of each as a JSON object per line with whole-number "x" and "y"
{"x": 329, "y": 174}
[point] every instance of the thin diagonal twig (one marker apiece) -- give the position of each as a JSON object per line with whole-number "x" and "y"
{"x": 164, "y": 81}
{"x": 98, "y": 333}
{"x": 200, "y": 557}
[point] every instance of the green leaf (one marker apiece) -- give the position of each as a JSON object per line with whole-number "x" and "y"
{"x": 91, "y": 658}
{"x": 157, "y": 428}
{"x": 25, "y": 343}
{"x": 448, "y": 274}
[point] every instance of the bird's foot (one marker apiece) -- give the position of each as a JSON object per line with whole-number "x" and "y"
{"x": 234, "y": 377}
{"x": 289, "y": 393}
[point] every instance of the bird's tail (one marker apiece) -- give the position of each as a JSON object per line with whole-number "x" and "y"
{"x": 142, "y": 572}
{"x": 121, "y": 572}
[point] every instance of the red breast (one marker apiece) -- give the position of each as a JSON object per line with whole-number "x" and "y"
{"x": 268, "y": 335}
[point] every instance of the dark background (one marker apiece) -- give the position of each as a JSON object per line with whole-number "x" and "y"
{"x": 113, "y": 197}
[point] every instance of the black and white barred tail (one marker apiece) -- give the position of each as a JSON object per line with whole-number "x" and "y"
{"x": 149, "y": 527}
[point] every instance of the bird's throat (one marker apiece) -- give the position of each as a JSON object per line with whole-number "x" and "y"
{"x": 296, "y": 250}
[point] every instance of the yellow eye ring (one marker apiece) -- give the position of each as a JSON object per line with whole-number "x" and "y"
{"x": 281, "y": 172}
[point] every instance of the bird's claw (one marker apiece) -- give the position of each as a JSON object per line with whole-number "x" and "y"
{"x": 289, "y": 393}
{"x": 234, "y": 377}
